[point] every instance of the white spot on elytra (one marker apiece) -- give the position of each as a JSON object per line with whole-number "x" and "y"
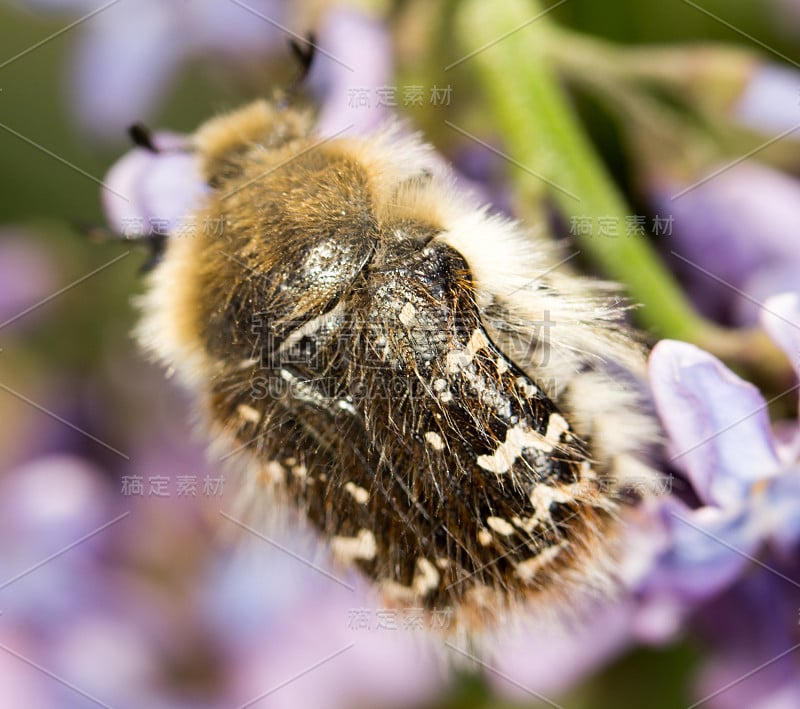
{"x": 360, "y": 495}
{"x": 408, "y": 314}
{"x": 460, "y": 359}
{"x": 457, "y": 360}
{"x": 517, "y": 439}
{"x": 434, "y": 440}
{"x": 556, "y": 425}
{"x": 248, "y": 413}
{"x": 528, "y": 569}
{"x": 362, "y": 546}
{"x": 543, "y": 496}
{"x": 526, "y": 523}
{"x": 396, "y": 592}
{"x": 527, "y": 386}
{"x": 499, "y": 525}
{"x": 426, "y": 577}
{"x": 478, "y": 341}
{"x": 274, "y": 472}
{"x": 502, "y": 365}
{"x": 346, "y": 406}
{"x": 484, "y": 537}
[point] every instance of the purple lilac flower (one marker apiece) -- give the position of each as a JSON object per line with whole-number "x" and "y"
{"x": 158, "y": 191}
{"x": 27, "y": 275}
{"x": 279, "y": 617}
{"x": 543, "y": 656}
{"x": 48, "y": 504}
{"x": 354, "y": 64}
{"x": 735, "y": 236}
{"x": 769, "y": 101}
{"x": 687, "y": 565}
{"x": 130, "y": 52}
{"x": 748, "y": 486}
{"x": 142, "y": 584}
{"x": 153, "y": 191}
{"x": 755, "y": 634}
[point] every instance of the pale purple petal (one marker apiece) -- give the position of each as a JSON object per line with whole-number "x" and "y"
{"x": 786, "y": 437}
{"x": 229, "y": 28}
{"x": 709, "y": 549}
{"x": 20, "y": 686}
{"x": 769, "y": 103}
{"x": 776, "y": 507}
{"x": 27, "y": 274}
{"x": 753, "y": 628}
{"x": 734, "y": 684}
{"x": 347, "y": 76}
{"x": 148, "y": 190}
{"x": 660, "y": 616}
{"x": 482, "y": 172}
{"x": 123, "y": 62}
{"x": 45, "y": 505}
{"x": 546, "y": 656}
{"x": 49, "y": 500}
{"x": 780, "y": 317}
{"x": 717, "y": 423}
{"x": 729, "y": 229}
{"x": 763, "y": 284}
{"x": 279, "y": 616}
{"x": 128, "y": 665}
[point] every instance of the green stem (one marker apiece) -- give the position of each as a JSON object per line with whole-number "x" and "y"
{"x": 544, "y": 135}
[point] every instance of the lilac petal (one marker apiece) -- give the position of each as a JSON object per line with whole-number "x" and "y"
{"x": 158, "y": 190}
{"x": 769, "y": 103}
{"x": 27, "y": 274}
{"x": 714, "y": 223}
{"x": 764, "y": 283}
{"x": 780, "y": 317}
{"x": 776, "y": 507}
{"x": 280, "y": 617}
{"x": 743, "y": 687}
{"x": 229, "y": 28}
{"x": 717, "y": 423}
{"x": 355, "y": 64}
{"x": 482, "y": 172}
{"x": 20, "y": 686}
{"x": 45, "y": 505}
{"x": 50, "y": 499}
{"x": 129, "y": 663}
{"x": 122, "y": 65}
{"x": 752, "y": 630}
{"x": 660, "y": 617}
{"x": 546, "y": 657}
{"x": 709, "y": 549}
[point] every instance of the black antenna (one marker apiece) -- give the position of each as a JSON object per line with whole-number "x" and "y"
{"x": 303, "y": 53}
{"x": 142, "y": 137}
